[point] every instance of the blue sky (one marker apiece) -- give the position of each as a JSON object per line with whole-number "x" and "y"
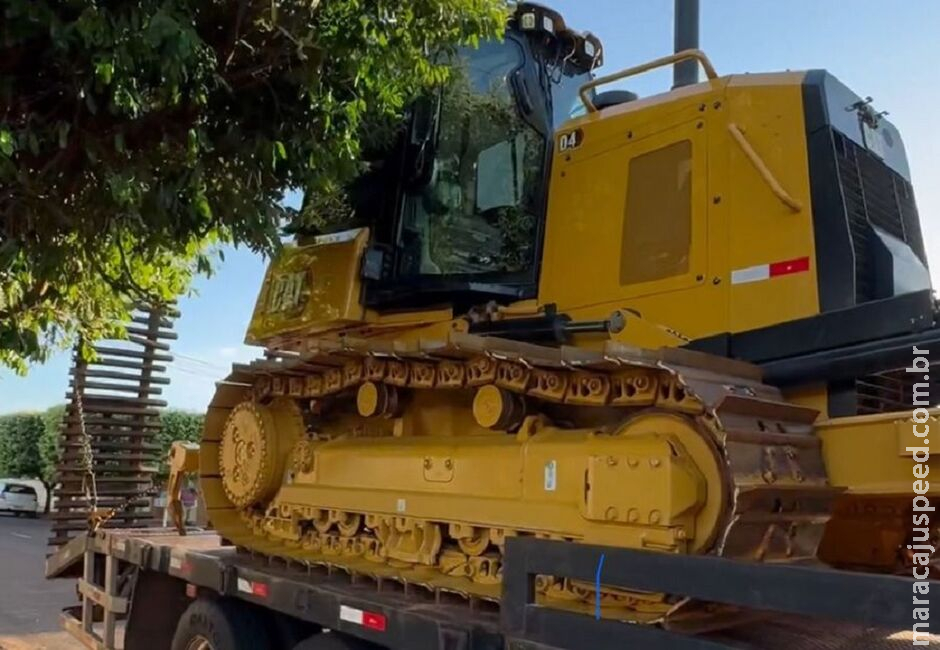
{"x": 886, "y": 50}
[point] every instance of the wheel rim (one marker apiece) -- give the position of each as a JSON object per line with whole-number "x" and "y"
{"x": 199, "y": 642}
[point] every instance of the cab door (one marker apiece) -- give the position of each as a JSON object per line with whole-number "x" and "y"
{"x": 627, "y": 219}
{"x": 663, "y": 229}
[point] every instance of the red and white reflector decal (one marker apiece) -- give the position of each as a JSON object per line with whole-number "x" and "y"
{"x": 181, "y": 564}
{"x": 259, "y": 589}
{"x": 371, "y": 620}
{"x": 768, "y": 271}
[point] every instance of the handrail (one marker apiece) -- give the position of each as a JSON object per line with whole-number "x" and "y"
{"x": 658, "y": 63}
{"x": 763, "y": 169}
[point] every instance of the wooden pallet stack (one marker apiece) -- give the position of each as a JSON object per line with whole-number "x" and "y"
{"x": 114, "y": 406}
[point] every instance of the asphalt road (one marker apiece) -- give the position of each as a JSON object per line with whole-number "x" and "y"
{"x": 29, "y": 603}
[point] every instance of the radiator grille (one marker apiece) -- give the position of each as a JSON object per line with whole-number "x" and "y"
{"x": 892, "y": 391}
{"x": 875, "y": 195}
{"x": 886, "y": 392}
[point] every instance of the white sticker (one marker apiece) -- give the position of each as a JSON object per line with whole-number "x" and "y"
{"x": 119, "y": 545}
{"x": 551, "y": 476}
{"x": 401, "y": 506}
{"x": 337, "y": 237}
{"x": 751, "y": 274}
{"x": 244, "y": 585}
{"x": 176, "y": 562}
{"x": 570, "y": 141}
{"x": 350, "y": 614}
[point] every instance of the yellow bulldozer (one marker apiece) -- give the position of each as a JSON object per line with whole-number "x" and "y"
{"x": 698, "y": 322}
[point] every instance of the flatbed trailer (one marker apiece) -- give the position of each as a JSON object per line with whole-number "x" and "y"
{"x": 140, "y": 587}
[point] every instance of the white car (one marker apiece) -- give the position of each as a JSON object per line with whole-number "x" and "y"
{"x": 18, "y": 498}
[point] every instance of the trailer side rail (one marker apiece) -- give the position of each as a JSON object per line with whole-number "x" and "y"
{"x": 409, "y": 616}
{"x": 864, "y": 599}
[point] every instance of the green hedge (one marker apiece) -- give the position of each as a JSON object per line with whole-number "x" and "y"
{"x": 29, "y": 442}
{"x": 176, "y": 425}
{"x": 20, "y": 435}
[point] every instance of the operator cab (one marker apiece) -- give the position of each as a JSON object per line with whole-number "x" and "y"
{"x": 456, "y": 207}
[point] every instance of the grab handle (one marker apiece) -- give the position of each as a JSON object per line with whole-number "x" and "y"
{"x": 763, "y": 169}
{"x": 698, "y": 55}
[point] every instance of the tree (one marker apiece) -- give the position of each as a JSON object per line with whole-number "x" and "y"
{"x": 49, "y": 447}
{"x": 136, "y": 135}
{"x": 29, "y": 442}
{"x": 24, "y": 439}
{"x": 19, "y": 445}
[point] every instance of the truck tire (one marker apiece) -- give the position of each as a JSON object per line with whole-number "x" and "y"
{"x": 334, "y": 641}
{"x": 220, "y": 625}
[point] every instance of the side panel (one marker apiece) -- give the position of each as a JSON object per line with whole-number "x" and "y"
{"x": 596, "y": 196}
{"x": 649, "y": 156}
{"x": 752, "y": 258}
{"x": 764, "y": 232}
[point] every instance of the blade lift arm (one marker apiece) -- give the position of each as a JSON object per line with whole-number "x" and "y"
{"x": 183, "y": 459}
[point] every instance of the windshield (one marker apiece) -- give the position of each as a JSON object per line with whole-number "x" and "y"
{"x": 477, "y": 212}
{"x": 566, "y": 98}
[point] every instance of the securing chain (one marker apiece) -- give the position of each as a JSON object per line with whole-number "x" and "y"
{"x": 151, "y": 492}
{"x": 89, "y": 481}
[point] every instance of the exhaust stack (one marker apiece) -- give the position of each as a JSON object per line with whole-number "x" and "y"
{"x": 685, "y": 73}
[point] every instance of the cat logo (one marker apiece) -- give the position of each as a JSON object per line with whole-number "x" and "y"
{"x": 287, "y": 292}
{"x": 570, "y": 141}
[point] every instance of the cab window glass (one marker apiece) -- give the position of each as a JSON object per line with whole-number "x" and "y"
{"x": 566, "y": 98}
{"x": 477, "y": 212}
{"x": 657, "y": 226}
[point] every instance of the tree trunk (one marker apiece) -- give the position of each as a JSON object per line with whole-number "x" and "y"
{"x": 48, "y": 505}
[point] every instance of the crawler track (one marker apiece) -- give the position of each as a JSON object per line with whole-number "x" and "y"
{"x": 760, "y": 479}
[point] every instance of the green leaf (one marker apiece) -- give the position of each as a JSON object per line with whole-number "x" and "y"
{"x": 194, "y": 139}
{"x": 192, "y": 142}
{"x": 63, "y": 130}
{"x": 203, "y": 207}
{"x": 6, "y": 142}
{"x": 104, "y": 71}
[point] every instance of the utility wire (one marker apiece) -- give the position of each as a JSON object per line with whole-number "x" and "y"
{"x": 200, "y": 362}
